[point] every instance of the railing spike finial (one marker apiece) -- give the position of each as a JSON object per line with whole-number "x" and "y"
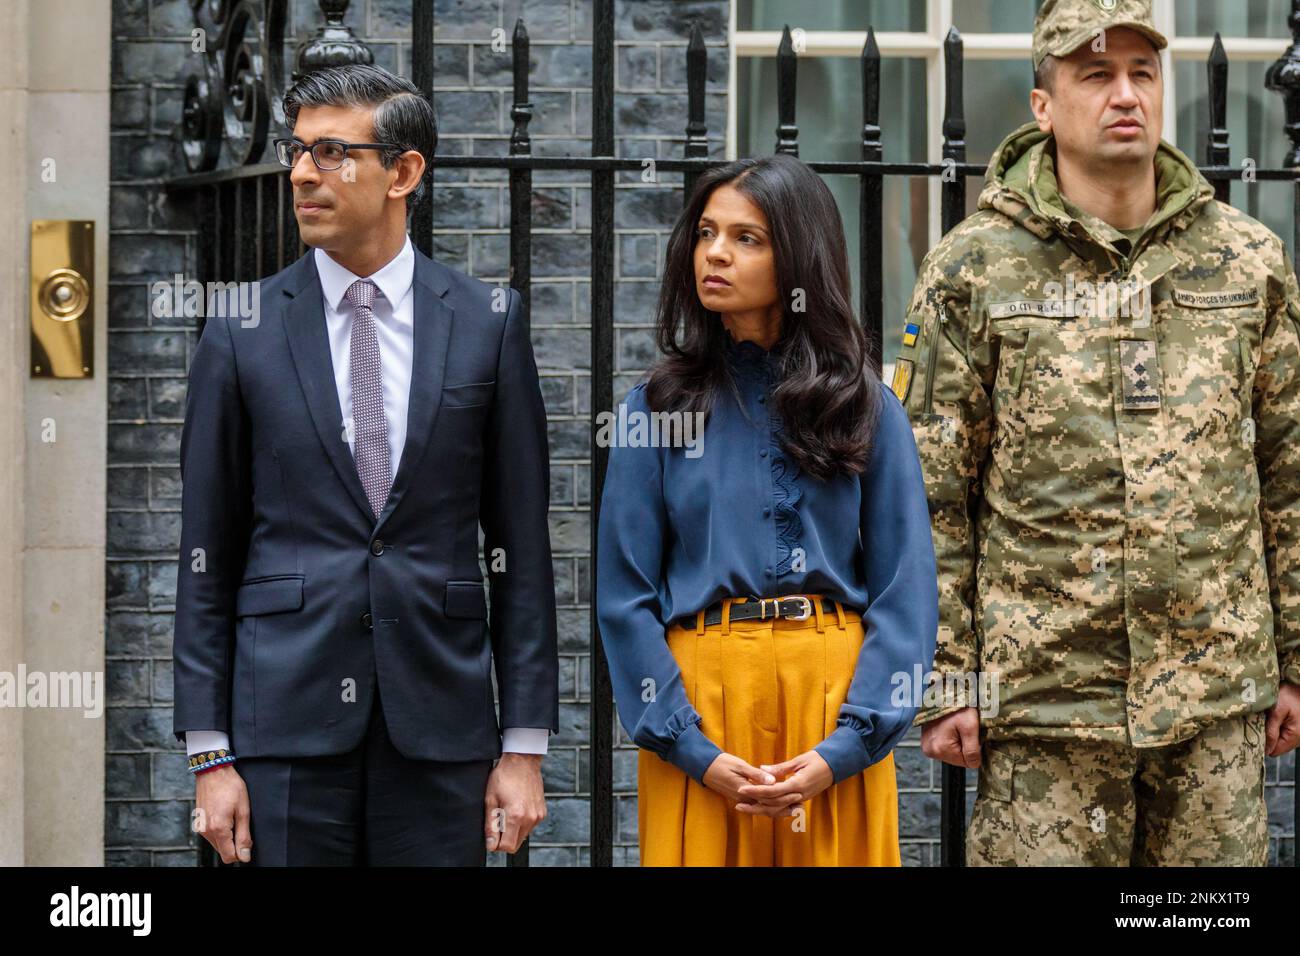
{"x": 521, "y": 110}
{"x": 954, "y": 114}
{"x": 1216, "y": 147}
{"x": 871, "y": 144}
{"x": 1284, "y": 77}
{"x": 871, "y": 205}
{"x": 697, "y": 76}
{"x": 787, "y": 71}
{"x": 334, "y": 43}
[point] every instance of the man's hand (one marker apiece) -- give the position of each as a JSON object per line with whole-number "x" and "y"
{"x": 1282, "y": 732}
{"x": 954, "y": 738}
{"x": 515, "y": 801}
{"x": 801, "y": 778}
{"x": 221, "y": 813}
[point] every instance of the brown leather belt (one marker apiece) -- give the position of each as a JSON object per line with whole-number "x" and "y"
{"x": 798, "y": 608}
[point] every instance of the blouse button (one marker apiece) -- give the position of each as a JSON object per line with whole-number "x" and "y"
{"x": 762, "y": 399}
{"x": 767, "y": 572}
{"x": 767, "y": 512}
{"x": 763, "y": 453}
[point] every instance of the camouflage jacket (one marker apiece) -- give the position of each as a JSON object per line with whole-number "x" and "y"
{"x": 1110, "y": 435}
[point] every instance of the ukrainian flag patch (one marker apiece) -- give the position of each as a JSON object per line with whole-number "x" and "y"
{"x": 909, "y": 334}
{"x": 902, "y": 378}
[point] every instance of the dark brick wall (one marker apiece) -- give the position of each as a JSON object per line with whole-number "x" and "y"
{"x": 149, "y": 792}
{"x": 153, "y": 236}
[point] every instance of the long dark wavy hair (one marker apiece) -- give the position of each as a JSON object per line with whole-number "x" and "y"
{"x": 828, "y": 397}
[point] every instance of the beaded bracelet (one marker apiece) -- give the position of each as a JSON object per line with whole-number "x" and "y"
{"x": 210, "y": 760}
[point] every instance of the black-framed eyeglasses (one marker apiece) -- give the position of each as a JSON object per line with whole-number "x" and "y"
{"x": 327, "y": 154}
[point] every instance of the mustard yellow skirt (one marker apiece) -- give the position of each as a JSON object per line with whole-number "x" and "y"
{"x": 767, "y": 691}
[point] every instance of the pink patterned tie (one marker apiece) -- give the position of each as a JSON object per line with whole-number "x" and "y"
{"x": 369, "y": 426}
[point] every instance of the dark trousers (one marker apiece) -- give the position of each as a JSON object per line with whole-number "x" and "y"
{"x": 370, "y": 807}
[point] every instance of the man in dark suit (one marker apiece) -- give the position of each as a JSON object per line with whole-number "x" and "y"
{"x": 341, "y": 448}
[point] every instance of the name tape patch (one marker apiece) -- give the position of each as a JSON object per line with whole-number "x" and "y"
{"x": 1048, "y": 308}
{"x": 1216, "y": 300}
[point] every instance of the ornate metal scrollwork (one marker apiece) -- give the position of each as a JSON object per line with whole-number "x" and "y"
{"x": 334, "y": 43}
{"x": 1284, "y": 77}
{"x": 245, "y": 104}
{"x": 232, "y": 103}
{"x": 201, "y": 119}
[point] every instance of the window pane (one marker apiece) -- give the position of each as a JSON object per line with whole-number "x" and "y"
{"x": 997, "y": 101}
{"x": 1241, "y": 18}
{"x": 1004, "y": 16}
{"x": 905, "y": 15}
{"x": 836, "y": 134}
{"x": 1255, "y": 130}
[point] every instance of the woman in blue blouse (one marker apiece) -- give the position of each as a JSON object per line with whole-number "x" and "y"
{"x": 765, "y": 585}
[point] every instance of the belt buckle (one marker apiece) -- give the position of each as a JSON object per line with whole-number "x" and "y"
{"x": 806, "y": 611}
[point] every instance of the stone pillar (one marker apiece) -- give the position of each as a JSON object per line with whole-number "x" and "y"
{"x": 54, "y": 116}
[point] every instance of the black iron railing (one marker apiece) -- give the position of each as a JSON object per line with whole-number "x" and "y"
{"x": 250, "y": 231}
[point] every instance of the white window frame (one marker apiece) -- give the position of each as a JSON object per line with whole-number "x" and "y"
{"x": 978, "y": 46}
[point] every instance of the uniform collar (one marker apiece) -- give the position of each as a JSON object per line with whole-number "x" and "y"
{"x": 1021, "y": 184}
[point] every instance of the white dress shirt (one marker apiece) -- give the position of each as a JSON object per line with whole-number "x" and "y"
{"x": 395, "y": 328}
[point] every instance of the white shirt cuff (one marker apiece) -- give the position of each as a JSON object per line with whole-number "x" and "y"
{"x": 524, "y": 740}
{"x": 197, "y": 741}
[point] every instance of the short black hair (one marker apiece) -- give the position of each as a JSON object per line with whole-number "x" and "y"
{"x": 1045, "y": 73}
{"x": 402, "y": 116}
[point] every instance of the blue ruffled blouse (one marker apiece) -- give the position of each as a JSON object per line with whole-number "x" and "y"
{"x": 682, "y": 528}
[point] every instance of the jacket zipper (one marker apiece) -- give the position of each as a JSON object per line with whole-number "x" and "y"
{"x": 932, "y": 360}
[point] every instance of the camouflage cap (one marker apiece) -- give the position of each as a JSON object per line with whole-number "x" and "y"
{"x": 1062, "y": 26}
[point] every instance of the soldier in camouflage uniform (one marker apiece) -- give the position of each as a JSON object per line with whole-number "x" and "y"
{"x": 1107, "y": 407}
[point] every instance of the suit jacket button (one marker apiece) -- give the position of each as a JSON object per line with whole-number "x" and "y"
{"x": 367, "y": 620}
{"x": 376, "y": 547}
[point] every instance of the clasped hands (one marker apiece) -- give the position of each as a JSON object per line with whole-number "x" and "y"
{"x": 770, "y": 790}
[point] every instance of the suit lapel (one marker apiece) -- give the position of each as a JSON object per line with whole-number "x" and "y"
{"x": 310, "y": 347}
{"x": 432, "y": 318}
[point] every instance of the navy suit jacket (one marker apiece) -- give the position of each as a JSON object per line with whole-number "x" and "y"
{"x": 295, "y": 603}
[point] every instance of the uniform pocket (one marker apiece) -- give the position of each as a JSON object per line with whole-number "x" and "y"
{"x": 1010, "y": 404}
{"x": 937, "y": 334}
{"x": 996, "y": 775}
{"x": 1056, "y": 401}
{"x": 1247, "y": 389}
{"x": 991, "y": 838}
{"x": 1210, "y": 371}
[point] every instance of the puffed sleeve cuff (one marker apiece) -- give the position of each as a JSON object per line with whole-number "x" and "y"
{"x": 846, "y": 753}
{"x": 692, "y": 753}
